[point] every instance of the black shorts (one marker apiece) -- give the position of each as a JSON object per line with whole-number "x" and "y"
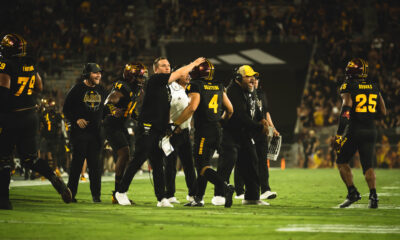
{"x": 117, "y": 136}
{"x": 206, "y": 141}
{"x": 20, "y": 129}
{"x": 362, "y": 140}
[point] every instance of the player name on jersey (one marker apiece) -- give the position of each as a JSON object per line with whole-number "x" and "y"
{"x": 364, "y": 86}
{"x": 207, "y": 87}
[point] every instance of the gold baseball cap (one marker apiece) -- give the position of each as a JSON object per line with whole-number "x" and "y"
{"x": 246, "y": 70}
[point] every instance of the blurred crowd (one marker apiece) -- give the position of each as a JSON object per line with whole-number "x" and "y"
{"x": 105, "y": 32}
{"x": 91, "y": 31}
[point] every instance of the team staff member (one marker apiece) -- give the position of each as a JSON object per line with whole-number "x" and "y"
{"x": 207, "y": 101}
{"x": 238, "y": 146}
{"x": 121, "y": 104}
{"x": 261, "y": 147}
{"x": 362, "y": 101}
{"x": 83, "y": 107}
{"x": 181, "y": 143}
{"x": 153, "y": 124}
{"x": 19, "y": 122}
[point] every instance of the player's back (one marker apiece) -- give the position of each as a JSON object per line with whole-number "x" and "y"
{"x": 365, "y": 97}
{"x": 209, "y": 110}
{"x": 23, "y": 76}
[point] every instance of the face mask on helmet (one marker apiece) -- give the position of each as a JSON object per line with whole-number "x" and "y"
{"x": 357, "y": 69}
{"x": 204, "y": 71}
{"x": 135, "y": 72}
{"x": 13, "y": 45}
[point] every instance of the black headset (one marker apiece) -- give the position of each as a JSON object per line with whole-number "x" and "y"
{"x": 85, "y": 73}
{"x": 237, "y": 75}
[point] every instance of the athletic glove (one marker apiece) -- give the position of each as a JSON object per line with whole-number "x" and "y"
{"x": 338, "y": 142}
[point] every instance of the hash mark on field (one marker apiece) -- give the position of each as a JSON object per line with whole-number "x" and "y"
{"x": 339, "y": 228}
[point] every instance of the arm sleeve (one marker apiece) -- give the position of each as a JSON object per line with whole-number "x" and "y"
{"x": 68, "y": 106}
{"x": 240, "y": 113}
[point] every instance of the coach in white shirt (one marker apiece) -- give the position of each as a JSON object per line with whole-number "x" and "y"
{"x": 181, "y": 143}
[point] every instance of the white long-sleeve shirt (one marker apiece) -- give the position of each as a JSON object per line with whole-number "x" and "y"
{"x": 179, "y": 102}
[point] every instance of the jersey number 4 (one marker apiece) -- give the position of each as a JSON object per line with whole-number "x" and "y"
{"x": 363, "y": 106}
{"x": 24, "y": 81}
{"x": 214, "y": 103}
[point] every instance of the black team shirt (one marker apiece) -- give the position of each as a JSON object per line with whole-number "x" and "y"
{"x": 156, "y": 103}
{"x": 87, "y": 103}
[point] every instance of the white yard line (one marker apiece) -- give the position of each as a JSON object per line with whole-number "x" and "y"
{"x": 340, "y": 228}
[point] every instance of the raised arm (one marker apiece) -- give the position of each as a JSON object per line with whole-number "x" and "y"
{"x": 183, "y": 71}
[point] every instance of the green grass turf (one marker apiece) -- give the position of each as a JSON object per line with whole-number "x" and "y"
{"x": 304, "y": 197}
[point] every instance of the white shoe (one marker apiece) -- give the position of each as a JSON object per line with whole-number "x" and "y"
{"x": 241, "y": 196}
{"x": 164, "y": 203}
{"x": 190, "y": 198}
{"x": 122, "y": 198}
{"x": 173, "y": 200}
{"x": 254, "y": 202}
{"x": 218, "y": 201}
{"x": 268, "y": 195}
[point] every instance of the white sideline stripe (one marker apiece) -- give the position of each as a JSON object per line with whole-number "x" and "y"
{"x": 261, "y": 56}
{"x": 390, "y": 187}
{"x": 340, "y": 228}
{"x": 234, "y": 59}
{"x": 38, "y": 182}
{"x": 384, "y": 194}
{"x": 365, "y": 206}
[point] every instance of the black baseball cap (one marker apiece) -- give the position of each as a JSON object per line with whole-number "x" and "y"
{"x": 91, "y": 67}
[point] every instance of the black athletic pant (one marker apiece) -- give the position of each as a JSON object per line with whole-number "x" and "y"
{"x": 182, "y": 148}
{"x": 146, "y": 147}
{"x": 86, "y": 145}
{"x": 263, "y": 171}
{"x": 19, "y": 129}
{"x": 242, "y": 152}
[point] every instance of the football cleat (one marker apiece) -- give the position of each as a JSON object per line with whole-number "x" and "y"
{"x": 61, "y": 188}
{"x": 197, "y": 202}
{"x": 164, "y": 203}
{"x": 241, "y": 196}
{"x": 190, "y": 198}
{"x": 173, "y": 200}
{"x": 350, "y": 199}
{"x": 229, "y": 190}
{"x": 96, "y": 199}
{"x": 122, "y": 198}
{"x": 115, "y": 201}
{"x": 373, "y": 201}
{"x": 218, "y": 201}
{"x": 254, "y": 202}
{"x": 268, "y": 195}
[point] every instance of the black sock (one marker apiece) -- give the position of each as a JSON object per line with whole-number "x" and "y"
{"x": 372, "y": 192}
{"x": 351, "y": 189}
{"x": 117, "y": 181}
{"x": 214, "y": 178}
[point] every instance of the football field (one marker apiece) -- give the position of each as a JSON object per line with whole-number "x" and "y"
{"x": 306, "y": 208}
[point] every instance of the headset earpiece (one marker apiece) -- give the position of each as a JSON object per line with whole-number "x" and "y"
{"x": 237, "y": 76}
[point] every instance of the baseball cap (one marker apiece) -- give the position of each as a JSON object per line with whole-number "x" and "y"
{"x": 246, "y": 70}
{"x": 92, "y": 67}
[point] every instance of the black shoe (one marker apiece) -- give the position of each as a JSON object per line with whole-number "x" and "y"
{"x": 373, "y": 201}
{"x": 229, "y": 190}
{"x": 61, "y": 188}
{"x": 73, "y": 200}
{"x": 350, "y": 199}
{"x": 5, "y": 204}
{"x": 96, "y": 199}
{"x": 198, "y": 202}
